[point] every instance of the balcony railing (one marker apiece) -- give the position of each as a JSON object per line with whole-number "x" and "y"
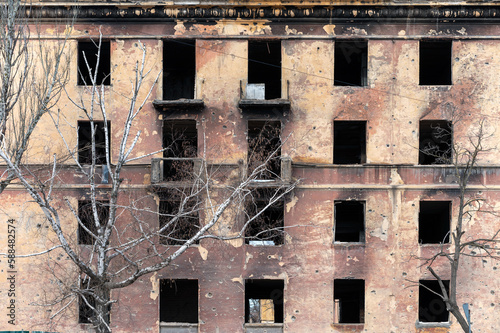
{"x": 171, "y": 169}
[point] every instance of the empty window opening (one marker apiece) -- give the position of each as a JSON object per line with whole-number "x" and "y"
{"x": 179, "y": 69}
{"x": 86, "y": 216}
{"x": 178, "y": 222}
{"x": 264, "y": 66}
{"x": 85, "y": 154}
{"x": 349, "y": 221}
{"x": 87, "y": 301}
{"x": 431, "y": 307}
{"x": 268, "y": 227}
{"x": 349, "y": 142}
{"x": 435, "y": 146}
{"x": 435, "y": 62}
{"x": 264, "y": 301}
{"x": 179, "y": 301}
{"x": 90, "y": 58}
{"x": 434, "y": 222}
{"x": 350, "y": 68}
{"x": 264, "y": 148}
{"x": 180, "y": 140}
{"x": 349, "y": 296}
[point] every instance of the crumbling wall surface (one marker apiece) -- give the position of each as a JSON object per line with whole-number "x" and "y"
{"x": 390, "y": 184}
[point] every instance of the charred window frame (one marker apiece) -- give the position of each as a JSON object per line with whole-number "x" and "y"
{"x": 264, "y": 66}
{"x": 350, "y": 66}
{"x": 180, "y": 140}
{"x": 435, "y": 143}
{"x": 434, "y": 222}
{"x": 179, "y": 69}
{"x": 85, "y": 142}
{"x": 264, "y": 142}
{"x": 179, "y": 301}
{"x": 267, "y": 229}
{"x": 349, "y": 142}
{"x": 86, "y": 216}
{"x": 264, "y": 301}
{"x": 87, "y": 55}
{"x": 350, "y": 221}
{"x": 435, "y": 62}
{"x": 349, "y": 301}
{"x": 431, "y": 307}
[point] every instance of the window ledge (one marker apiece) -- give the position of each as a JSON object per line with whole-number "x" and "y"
{"x": 355, "y": 327}
{"x": 436, "y": 87}
{"x": 182, "y": 104}
{"x": 178, "y": 328}
{"x": 263, "y": 327}
{"x": 264, "y": 105}
{"x": 348, "y": 244}
{"x": 421, "y": 324}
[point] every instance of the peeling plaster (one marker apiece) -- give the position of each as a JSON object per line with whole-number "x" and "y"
{"x": 203, "y": 252}
{"x": 291, "y": 204}
{"x": 329, "y": 29}
{"x": 155, "y": 286}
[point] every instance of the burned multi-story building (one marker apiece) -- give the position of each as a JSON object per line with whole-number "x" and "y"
{"x": 366, "y": 108}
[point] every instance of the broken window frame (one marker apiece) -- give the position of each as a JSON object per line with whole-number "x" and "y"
{"x": 270, "y": 291}
{"x": 186, "y": 225}
{"x": 361, "y": 232}
{"x": 435, "y": 148}
{"x": 422, "y": 225}
{"x": 339, "y": 288}
{"x": 180, "y": 141}
{"x": 431, "y": 64}
{"x": 351, "y": 63}
{"x": 90, "y": 48}
{"x": 179, "y": 69}
{"x": 264, "y": 69}
{"x": 268, "y": 228}
{"x": 86, "y": 217}
{"x": 187, "y": 305}
{"x": 261, "y": 145}
{"x": 340, "y": 147}
{"x": 85, "y": 142}
{"x": 423, "y": 309}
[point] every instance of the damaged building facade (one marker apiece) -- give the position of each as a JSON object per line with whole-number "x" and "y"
{"x": 351, "y": 95}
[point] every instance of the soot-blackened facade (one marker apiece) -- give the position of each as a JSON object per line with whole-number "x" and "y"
{"x": 355, "y": 92}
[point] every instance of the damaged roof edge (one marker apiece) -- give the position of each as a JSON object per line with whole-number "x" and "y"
{"x": 129, "y": 11}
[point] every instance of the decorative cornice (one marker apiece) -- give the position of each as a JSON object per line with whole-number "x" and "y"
{"x": 281, "y": 13}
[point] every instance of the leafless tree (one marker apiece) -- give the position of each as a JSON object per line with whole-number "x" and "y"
{"x": 463, "y": 156}
{"x": 119, "y": 251}
{"x": 33, "y": 73}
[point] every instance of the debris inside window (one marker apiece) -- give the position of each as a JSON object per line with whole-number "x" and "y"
{"x": 349, "y": 301}
{"x": 264, "y": 301}
{"x": 264, "y": 66}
